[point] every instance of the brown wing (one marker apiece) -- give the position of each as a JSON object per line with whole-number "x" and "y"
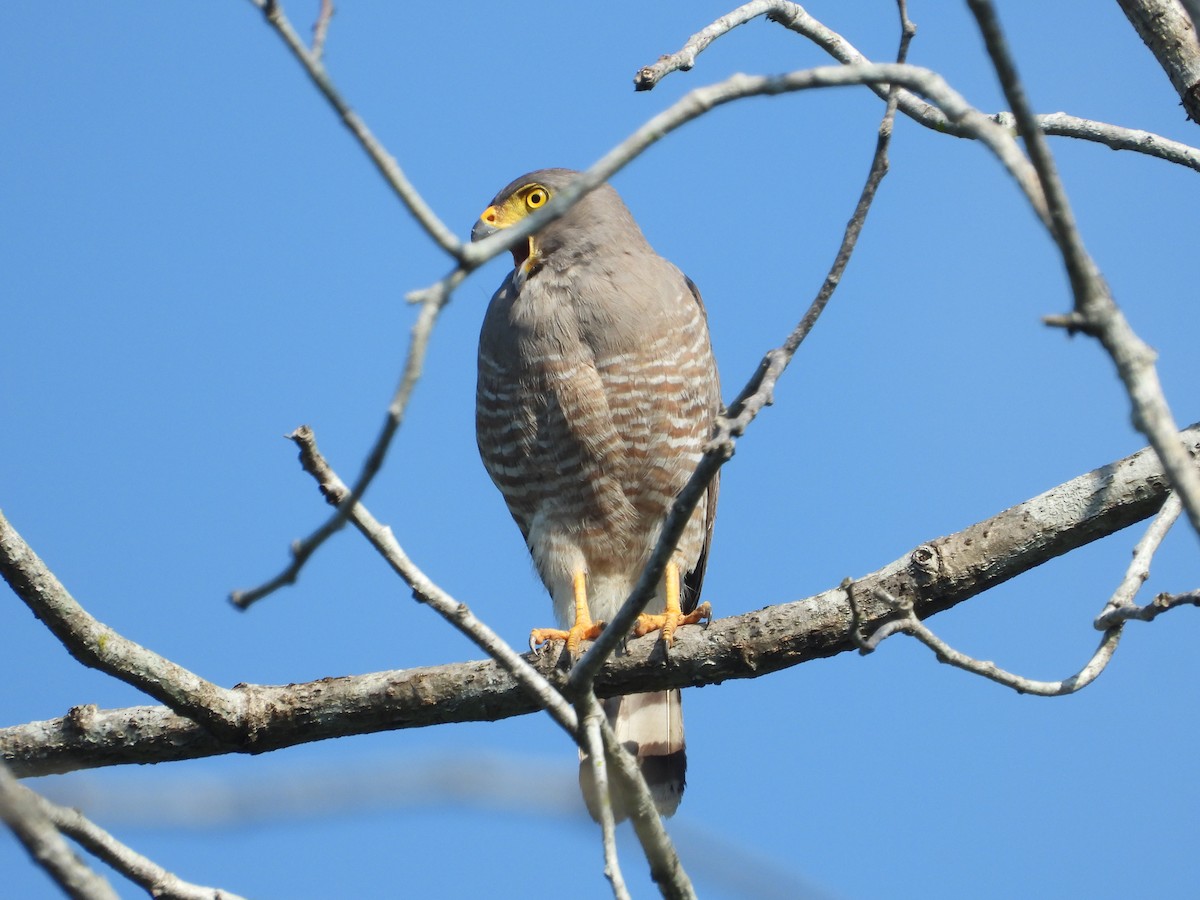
{"x": 694, "y": 579}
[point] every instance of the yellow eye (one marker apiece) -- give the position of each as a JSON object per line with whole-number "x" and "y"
{"x": 536, "y": 197}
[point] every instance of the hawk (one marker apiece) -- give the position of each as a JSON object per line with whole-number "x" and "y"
{"x": 597, "y": 393}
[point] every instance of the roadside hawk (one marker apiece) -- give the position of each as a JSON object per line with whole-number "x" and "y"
{"x": 597, "y": 393}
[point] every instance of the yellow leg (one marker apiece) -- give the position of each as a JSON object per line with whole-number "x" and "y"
{"x": 673, "y": 616}
{"x": 584, "y": 628}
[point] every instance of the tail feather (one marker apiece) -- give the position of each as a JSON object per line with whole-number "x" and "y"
{"x": 650, "y": 727}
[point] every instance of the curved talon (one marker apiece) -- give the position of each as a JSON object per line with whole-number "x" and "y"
{"x": 670, "y": 620}
{"x": 580, "y": 632}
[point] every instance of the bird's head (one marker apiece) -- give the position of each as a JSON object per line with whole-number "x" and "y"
{"x": 597, "y": 219}
{"x": 508, "y": 208}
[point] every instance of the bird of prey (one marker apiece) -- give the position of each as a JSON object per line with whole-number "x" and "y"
{"x": 597, "y": 393}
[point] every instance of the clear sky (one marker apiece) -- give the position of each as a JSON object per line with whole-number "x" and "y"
{"x": 197, "y": 259}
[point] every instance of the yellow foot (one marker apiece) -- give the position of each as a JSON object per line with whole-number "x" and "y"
{"x": 581, "y": 631}
{"x": 670, "y": 620}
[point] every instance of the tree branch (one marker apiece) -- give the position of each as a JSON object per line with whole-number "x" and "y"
{"x": 31, "y": 825}
{"x": 1095, "y": 313}
{"x": 591, "y": 715}
{"x": 384, "y": 161}
{"x": 1111, "y": 621}
{"x": 1167, "y": 29}
{"x": 937, "y": 575}
{"x": 1120, "y": 606}
{"x": 910, "y": 624}
{"x": 794, "y": 17}
{"x": 156, "y": 880}
{"x": 97, "y": 646}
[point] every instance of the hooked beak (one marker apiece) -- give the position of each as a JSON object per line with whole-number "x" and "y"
{"x": 485, "y": 226}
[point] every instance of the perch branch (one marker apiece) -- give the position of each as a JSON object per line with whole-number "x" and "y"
{"x": 937, "y": 574}
{"x": 97, "y": 646}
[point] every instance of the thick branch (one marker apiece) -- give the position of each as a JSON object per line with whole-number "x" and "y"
{"x": 936, "y": 576}
{"x": 1111, "y": 621}
{"x": 97, "y": 646}
{"x": 1166, "y": 28}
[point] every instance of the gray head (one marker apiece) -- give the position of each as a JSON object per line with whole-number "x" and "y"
{"x": 599, "y": 219}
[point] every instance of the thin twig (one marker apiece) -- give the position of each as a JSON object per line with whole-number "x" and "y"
{"x": 384, "y": 161}
{"x": 425, "y": 591}
{"x": 592, "y": 716}
{"x": 910, "y": 624}
{"x": 665, "y": 867}
{"x": 793, "y": 17}
{"x": 156, "y": 880}
{"x": 1164, "y": 602}
{"x": 321, "y": 28}
{"x": 31, "y": 826}
{"x": 1120, "y": 606}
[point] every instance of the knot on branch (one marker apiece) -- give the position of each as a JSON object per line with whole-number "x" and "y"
{"x": 925, "y": 564}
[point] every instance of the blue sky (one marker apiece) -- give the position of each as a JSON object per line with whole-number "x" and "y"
{"x": 198, "y": 259}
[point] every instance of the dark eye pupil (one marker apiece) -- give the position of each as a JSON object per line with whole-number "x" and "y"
{"x": 536, "y": 198}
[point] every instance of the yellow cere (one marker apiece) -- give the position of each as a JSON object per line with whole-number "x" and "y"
{"x": 516, "y": 206}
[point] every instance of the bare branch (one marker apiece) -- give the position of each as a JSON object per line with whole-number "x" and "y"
{"x": 793, "y": 17}
{"x": 157, "y": 881}
{"x": 910, "y": 624}
{"x": 321, "y": 28}
{"x": 665, "y": 867}
{"x": 592, "y": 716}
{"x": 97, "y": 646}
{"x": 425, "y": 591}
{"x": 1166, "y": 601}
{"x": 937, "y": 575}
{"x": 384, "y": 161}
{"x": 1095, "y": 311}
{"x": 1121, "y": 606}
{"x": 1167, "y": 29}
{"x": 1063, "y": 125}
{"x": 432, "y": 301}
{"x": 22, "y": 813}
